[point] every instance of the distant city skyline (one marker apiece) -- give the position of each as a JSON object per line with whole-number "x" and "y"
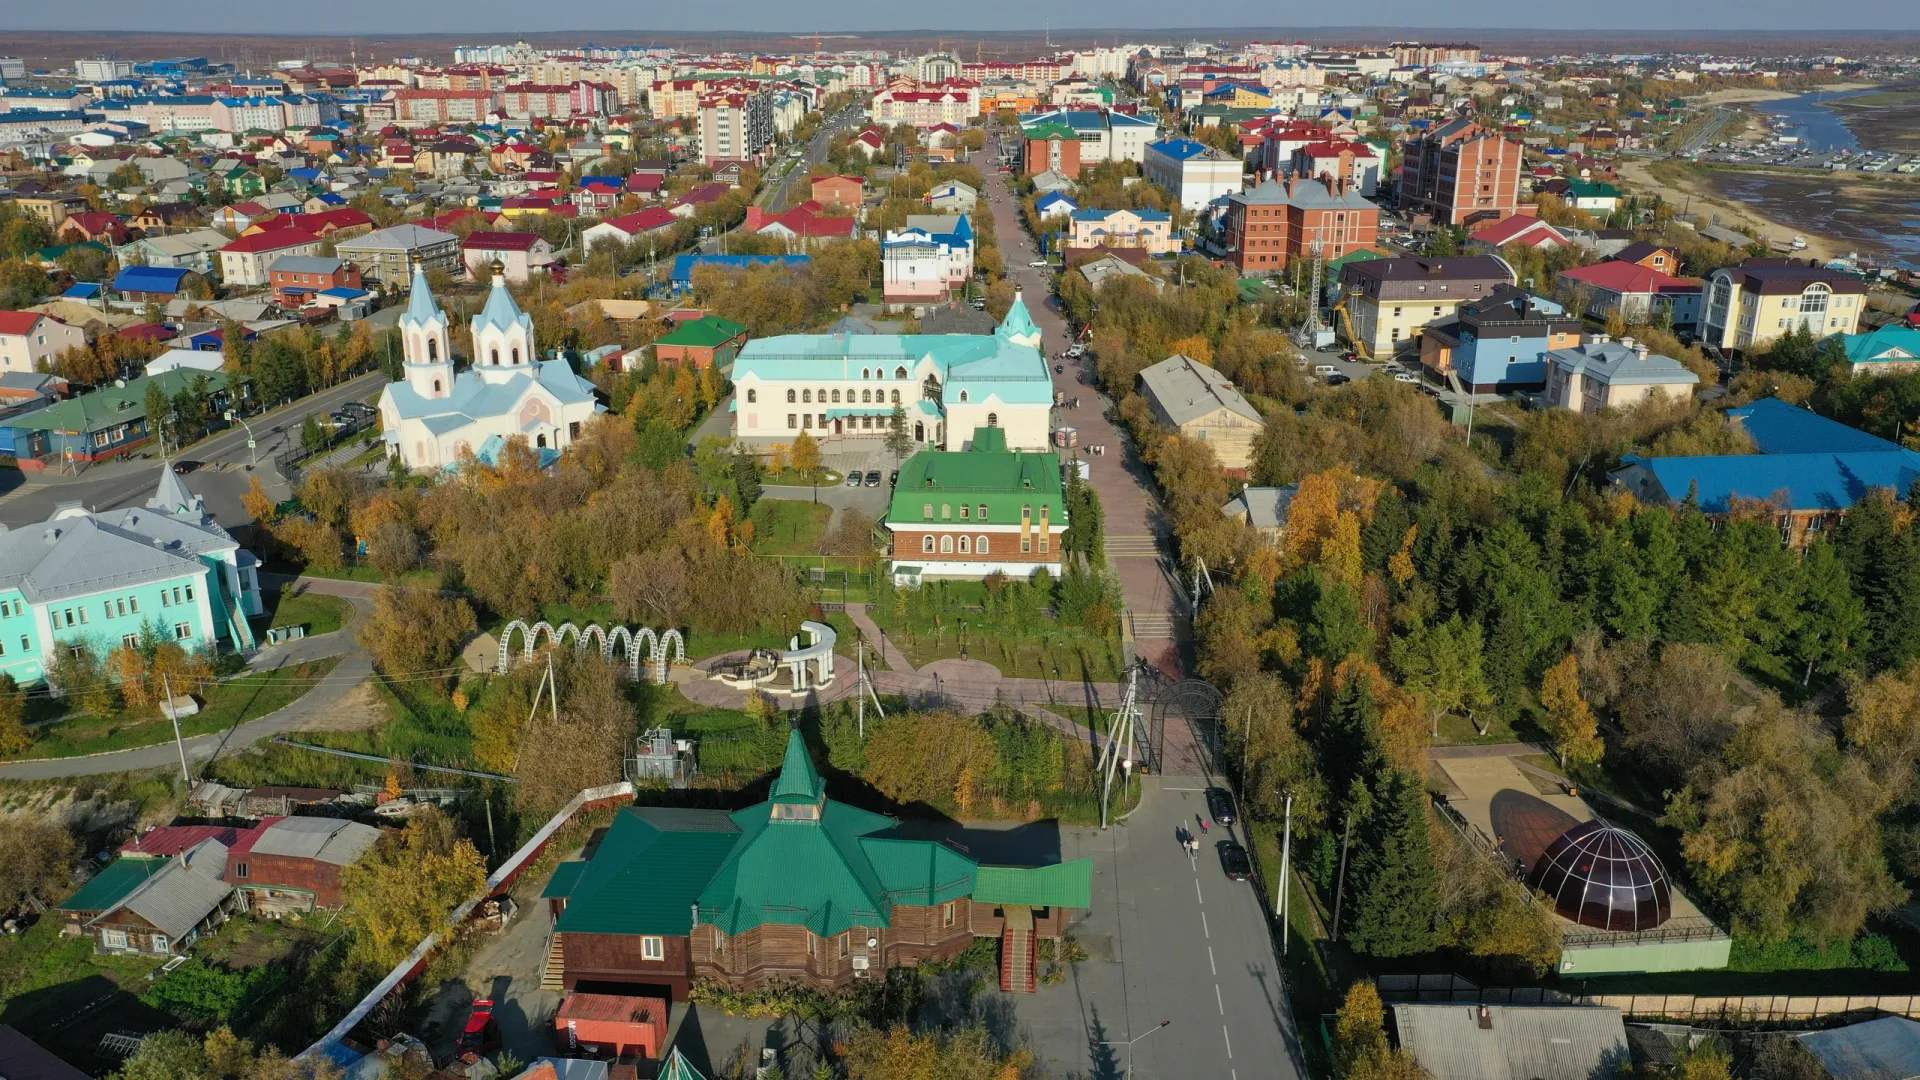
{"x": 496, "y": 17}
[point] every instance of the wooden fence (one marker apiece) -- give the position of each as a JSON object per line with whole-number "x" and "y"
{"x": 1750, "y": 1008}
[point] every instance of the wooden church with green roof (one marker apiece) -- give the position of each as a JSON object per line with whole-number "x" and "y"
{"x": 798, "y": 888}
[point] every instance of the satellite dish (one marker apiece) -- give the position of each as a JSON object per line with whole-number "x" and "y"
{"x": 872, "y": 941}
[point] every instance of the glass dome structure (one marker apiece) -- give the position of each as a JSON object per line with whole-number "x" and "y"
{"x": 1604, "y": 877}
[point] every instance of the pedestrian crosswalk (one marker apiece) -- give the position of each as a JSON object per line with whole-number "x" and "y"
{"x": 1132, "y": 547}
{"x": 1151, "y": 626}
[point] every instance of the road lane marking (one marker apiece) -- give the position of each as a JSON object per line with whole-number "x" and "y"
{"x": 1218, "y": 1000}
{"x": 1211, "y": 966}
{"x": 1203, "y": 926}
{"x": 1197, "y": 896}
{"x": 1229, "y": 1038}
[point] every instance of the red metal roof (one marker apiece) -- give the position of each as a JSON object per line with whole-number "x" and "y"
{"x": 174, "y": 839}
{"x": 272, "y": 240}
{"x": 501, "y": 241}
{"x": 18, "y": 322}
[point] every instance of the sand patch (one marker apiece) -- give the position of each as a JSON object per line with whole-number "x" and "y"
{"x": 359, "y": 710}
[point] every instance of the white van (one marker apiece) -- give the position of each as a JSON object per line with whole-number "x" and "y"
{"x": 1323, "y": 369}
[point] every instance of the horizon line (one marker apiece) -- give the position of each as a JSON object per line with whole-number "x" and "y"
{"x": 1504, "y": 29}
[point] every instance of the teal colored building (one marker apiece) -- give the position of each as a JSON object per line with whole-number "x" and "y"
{"x": 103, "y": 579}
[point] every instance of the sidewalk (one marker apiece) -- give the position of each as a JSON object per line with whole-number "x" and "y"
{"x": 889, "y": 652}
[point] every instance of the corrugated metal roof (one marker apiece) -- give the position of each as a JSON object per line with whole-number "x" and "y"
{"x": 327, "y": 840}
{"x": 646, "y": 874}
{"x": 1883, "y": 1049}
{"x": 107, "y": 888}
{"x": 1186, "y": 389}
{"x": 1518, "y": 1042}
{"x": 1068, "y": 885}
{"x": 1779, "y": 428}
{"x": 180, "y": 896}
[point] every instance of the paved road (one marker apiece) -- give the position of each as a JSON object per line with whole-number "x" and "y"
{"x": 221, "y": 480}
{"x": 1139, "y": 540}
{"x": 353, "y": 669}
{"x": 774, "y": 197}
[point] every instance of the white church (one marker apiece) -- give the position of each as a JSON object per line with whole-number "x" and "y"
{"x": 435, "y": 416}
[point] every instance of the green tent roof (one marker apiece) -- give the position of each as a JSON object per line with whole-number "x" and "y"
{"x": 648, "y": 872}
{"x": 704, "y": 333}
{"x": 1067, "y": 885}
{"x": 676, "y": 1067}
{"x": 112, "y": 884}
{"x": 798, "y": 781}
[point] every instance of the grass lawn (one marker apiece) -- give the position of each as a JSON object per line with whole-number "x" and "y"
{"x": 45, "y": 979}
{"x": 319, "y": 613}
{"x": 1311, "y": 985}
{"x": 1056, "y": 652}
{"x": 787, "y": 527}
{"x": 794, "y": 478}
{"x": 229, "y": 704}
{"x": 422, "y": 727}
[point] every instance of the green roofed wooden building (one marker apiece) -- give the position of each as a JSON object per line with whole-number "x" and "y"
{"x": 798, "y": 888}
{"x": 703, "y": 341}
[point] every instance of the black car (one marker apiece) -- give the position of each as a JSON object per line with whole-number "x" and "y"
{"x": 873, "y": 478}
{"x": 1233, "y": 859}
{"x": 1220, "y": 805}
{"x": 1337, "y": 379}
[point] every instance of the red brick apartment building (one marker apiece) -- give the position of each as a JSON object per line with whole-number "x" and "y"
{"x": 1281, "y": 220}
{"x": 1461, "y": 174}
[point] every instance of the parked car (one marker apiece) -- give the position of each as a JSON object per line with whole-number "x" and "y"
{"x": 1220, "y": 805}
{"x": 1233, "y": 859}
{"x": 482, "y": 1033}
{"x": 853, "y": 478}
{"x": 1039, "y": 264}
{"x": 1403, "y": 377}
{"x": 1324, "y": 370}
{"x": 873, "y": 477}
{"x": 1337, "y": 379}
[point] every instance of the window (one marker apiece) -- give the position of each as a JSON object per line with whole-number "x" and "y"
{"x": 433, "y": 349}
{"x": 896, "y": 397}
{"x": 964, "y": 508}
{"x": 866, "y": 373}
{"x": 926, "y": 544}
{"x": 993, "y": 419}
{"x": 122, "y": 604}
{"x": 1026, "y": 545}
{"x": 806, "y": 397}
{"x": 790, "y": 399}
{"x": 1043, "y": 543}
{"x": 806, "y": 419}
{"x": 26, "y": 643}
{"x": 946, "y": 545}
{"x": 866, "y": 397}
{"x": 131, "y": 641}
{"x": 963, "y": 397}
{"x": 436, "y": 386}
{"x": 793, "y": 420}
{"x": 836, "y": 396}
{"x": 239, "y": 870}
{"x": 926, "y": 511}
{"x": 494, "y": 356}
{"x": 846, "y": 940}
{"x": 980, "y": 545}
{"x": 113, "y": 939}
{"x": 946, "y": 914}
{"x": 810, "y": 940}
{"x": 69, "y": 616}
{"x": 182, "y": 631}
{"x": 516, "y": 355}
{"x": 946, "y": 511}
{"x": 899, "y": 373}
{"x": 653, "y": 948}
{"x": 753, "y": 396}
{"x": 966, "y": 545}
{"x": 1026, "y": 513}
{"x": 133, "y": 604}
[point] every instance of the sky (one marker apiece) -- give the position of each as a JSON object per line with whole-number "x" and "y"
{"x": 374, "y": 17}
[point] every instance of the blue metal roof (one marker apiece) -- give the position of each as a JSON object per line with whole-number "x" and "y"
{"x": 1779, "y": 428}
{"x": 1179, "y": 149}
{"x": 683, "y": 265}
{"x": 159, "y": 279}
{"x": 1808, "y": 481}
{"x": 83, "y": 290}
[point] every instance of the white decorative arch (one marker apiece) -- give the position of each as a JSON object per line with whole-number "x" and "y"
{"x": 632, "y": 648}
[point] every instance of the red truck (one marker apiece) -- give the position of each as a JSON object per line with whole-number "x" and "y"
{"x": 482, "y": 1033}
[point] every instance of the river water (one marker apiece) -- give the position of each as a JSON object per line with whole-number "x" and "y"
{"x": 1818, "y": 127}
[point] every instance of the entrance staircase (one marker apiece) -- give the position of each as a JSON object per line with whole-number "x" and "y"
{"x": 1017, "y": 960}
{"x": 553, "y": 976}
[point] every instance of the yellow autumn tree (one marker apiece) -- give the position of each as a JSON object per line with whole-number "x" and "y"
{"x": 1325, "y": 520}
{"x": 1569, "y": 721}
{"x": 1196, "y": 347}
{"x": 1403, "y": 715}
{"x": 402, "y": 890}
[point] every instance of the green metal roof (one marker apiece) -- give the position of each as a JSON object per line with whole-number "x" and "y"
{"x": 112, "y": 405}
{"x": 799, "y": 782}
{"x": 565, "y": 877}
{"x": 800, "y": 873}
{"x": 112, "y": 884}
{"x": 919, "y": 873}
{"x": 704, "y": 333}
{"x": 648, "y": 871}
{"x": 1002, "y": 481}
{"x": 676, "y": 1067}
{"x": 1052, "y": 130}
{"x": 1068, "y": 885}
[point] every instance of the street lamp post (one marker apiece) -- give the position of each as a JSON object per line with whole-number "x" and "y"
{"x": 1128, "y": 1043}
{"x": 253, "y": 452}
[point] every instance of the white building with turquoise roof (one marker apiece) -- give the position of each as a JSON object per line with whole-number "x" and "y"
{"x": 434, "y": 416}
{"x": 841, "y": 388}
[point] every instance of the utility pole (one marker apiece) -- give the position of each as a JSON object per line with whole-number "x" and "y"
{"x": 860, "y": 683}
{"x": 1119, "y": 733}
{"x": 173, "y": 714}
{"x": 1285, "y": 899}
{"x": 1340, "y": 887}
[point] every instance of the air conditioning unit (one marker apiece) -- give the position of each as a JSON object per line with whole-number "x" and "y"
{"x": 860, "y": 964}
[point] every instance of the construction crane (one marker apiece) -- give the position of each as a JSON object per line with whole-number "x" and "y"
{"x": 1346, "y": 320}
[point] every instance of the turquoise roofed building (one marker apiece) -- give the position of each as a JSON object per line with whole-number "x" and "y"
{"x": 798, "y": 888}
{"x": 842, "y": 388}
{"x": 435, "y": 416}
{"x": 1893, "y": 349}
{"x": 116, "y": 577}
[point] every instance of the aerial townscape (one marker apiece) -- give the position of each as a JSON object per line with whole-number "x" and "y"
{"x": 1046, "y": 553}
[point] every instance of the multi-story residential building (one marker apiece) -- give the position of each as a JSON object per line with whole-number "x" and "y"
{"x": 246, "y": 260}
{"x": 533, "y": 101}
{"x": 927, "y": 261}
{"x": 1149, "y": 229}
{"x": 32, "y": 99}
{"x": 975, "y": 512}
{"x": 1104, "y": 135}
{"x": 1354, "y": 163}
{"x": 1460, "y": 174}
{"x": 736, "y": 126}
{"x": 1279, "y": 221}
{"x": 1194, "y": 172}
{"x": 844, "y": 386}
{"x": 387, "y": 255}
{"x": 953, "y": 102}
{"x": 166, "y": 113}
{"x": 1389, "y": 301}
{"x": 426, "y": 106}
{"x": 520, "y": 254}
{"x": 297, "y": 279}
{"x": 29, "y": 339}
{"x": 243, "y": 114}
{"x": 1499, "y": 343}
{"x": 108, "y": 579}
{"x": 52, "y": 207}
{"x": 1043, "y": 72}
{"x": 1748, "y": 306}
{"x": 1603, "y": 374}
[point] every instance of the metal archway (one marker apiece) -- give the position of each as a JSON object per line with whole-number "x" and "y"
{"x": 1198, "y": 706}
